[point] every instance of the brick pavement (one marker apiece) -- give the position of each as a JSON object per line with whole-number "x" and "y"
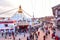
{"x": 42, "y": 34}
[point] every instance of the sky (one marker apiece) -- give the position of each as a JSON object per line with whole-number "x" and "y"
{"x": 40, "y": 8}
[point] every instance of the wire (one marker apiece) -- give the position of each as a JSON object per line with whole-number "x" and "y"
{"x": 14, "y": 14}
{"x": 27, "y": 13}
{"x": 7, "y": 11}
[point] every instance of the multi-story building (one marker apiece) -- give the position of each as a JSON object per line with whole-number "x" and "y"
{"x": 56, "y": 13}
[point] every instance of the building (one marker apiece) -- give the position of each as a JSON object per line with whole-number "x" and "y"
{"x": 18, "y": 20}
{"x": 56, "y": 13}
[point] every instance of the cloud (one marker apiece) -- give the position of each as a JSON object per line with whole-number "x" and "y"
{"x": 5, "y": 3}
{"x": 40, "y": 8}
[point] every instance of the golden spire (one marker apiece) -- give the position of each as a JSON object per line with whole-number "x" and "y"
{"x": 20, "y": 9}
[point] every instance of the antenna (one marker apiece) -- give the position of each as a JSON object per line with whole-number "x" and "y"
{"x": 33, "y": 14}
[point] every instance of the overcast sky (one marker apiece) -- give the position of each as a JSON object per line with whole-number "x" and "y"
{"x": 41, "y": 8}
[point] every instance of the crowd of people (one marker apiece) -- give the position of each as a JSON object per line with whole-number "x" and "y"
{"x": 34, "y": 33}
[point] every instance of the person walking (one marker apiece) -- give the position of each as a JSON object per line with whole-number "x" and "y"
{"x": 24, "y": 34}
{"x": 27, "y": 38}
{"x": 36, "y": 36}
{"x": 56, "y": 38}
{"x": 2, "y": 34}
{"x": 38, "y": 33}
{"x": 44, "y": 37}
{"x": 19, "y": 39}
{"x": 13, "y": 35}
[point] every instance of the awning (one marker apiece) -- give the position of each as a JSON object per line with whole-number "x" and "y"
{"x": 6, "y": 22}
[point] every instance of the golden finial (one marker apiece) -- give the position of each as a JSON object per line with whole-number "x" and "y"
{"x": 20, "y": 9}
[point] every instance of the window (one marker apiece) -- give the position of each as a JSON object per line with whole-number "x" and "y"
{"x": 58, "y": 13}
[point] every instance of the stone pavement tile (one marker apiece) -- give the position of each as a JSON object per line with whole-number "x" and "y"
{"x": 42, "y": 34}
{"x": 40, "y": 37}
